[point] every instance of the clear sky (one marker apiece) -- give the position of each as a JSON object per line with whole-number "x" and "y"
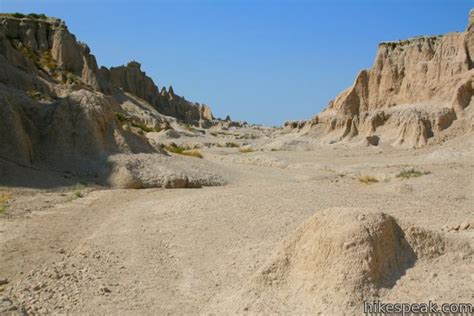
{"x": 259, "y": 61}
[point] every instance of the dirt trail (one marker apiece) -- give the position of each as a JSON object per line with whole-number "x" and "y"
{"x": 187, "y": 250}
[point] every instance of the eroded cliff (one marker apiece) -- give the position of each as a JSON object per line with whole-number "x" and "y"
{"x": 416, "y": 89}
{"x": 58, "y": 108}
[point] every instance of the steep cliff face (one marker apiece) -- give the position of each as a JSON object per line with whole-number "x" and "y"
{"x": 132, "y": 79}
{"x": 416, "y": 89}
{"x": 40, "y": 45}
{"x": 57, "y": 107}
{"x": 46, "y": 45}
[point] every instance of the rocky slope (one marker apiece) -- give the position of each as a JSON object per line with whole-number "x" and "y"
{"x": 131, "y": 79}
{"x": 59, "y": 109}
{"x": 416, "y": 91}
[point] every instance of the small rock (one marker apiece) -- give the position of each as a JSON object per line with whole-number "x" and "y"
{"x": 37, "y": 287}
{"x": 465, "y": 225}
{"x": 105, "y": 289}
{"x": 348, "y": 244}
{"x": 3, "y": 281}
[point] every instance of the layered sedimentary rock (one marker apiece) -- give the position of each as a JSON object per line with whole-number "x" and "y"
{"x": 57, "y": 107}
{"x": 416, "y": 89}
{"x": 133, "y": 80}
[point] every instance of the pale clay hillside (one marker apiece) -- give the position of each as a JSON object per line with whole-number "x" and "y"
{"x": 371, "y": 199}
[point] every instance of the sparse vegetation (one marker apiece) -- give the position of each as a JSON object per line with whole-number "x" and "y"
{"x": 38, "y": 96}
{"x": 73, "y": 79}
{"x": 64, "y": 77}
{"x": 18, "y": 15}
{"x": 193, "y": 153}
{"x": 232, "y": 145}
{"x": 368, "y": 179}
{"x": 411, "y": 173}
{"x": 37, "y": 16}
{"x": 77, "y": 191}
{"x": 44, "y": 60}
{"x": 186, "y": 151}
{"x": 123, "y": 118}
{"x": 191, "y": 129}
{"x": 175, "y": 149}
{"x": 246, "y": 150}
{"x": 143, "y": 127}
{"x": 28, "y": 52}
{"x": 5, "y": 196}
{"x": 48, "y": 61}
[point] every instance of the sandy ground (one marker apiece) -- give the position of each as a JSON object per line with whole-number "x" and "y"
{"x": 187, "y": 251}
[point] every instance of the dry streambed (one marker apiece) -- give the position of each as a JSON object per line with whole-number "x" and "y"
{"x": 305, "y": 232}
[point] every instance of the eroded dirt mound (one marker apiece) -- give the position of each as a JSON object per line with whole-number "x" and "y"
{"x": 340, "y": 258}
{"x": 151, "y": 170}
{"x": 342, "y": 255}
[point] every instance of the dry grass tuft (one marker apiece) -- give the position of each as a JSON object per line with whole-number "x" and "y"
{"x": 186, "y": 151}
{"x": 5, "y": 196}
{"x": 368, "y": 179}
{"x": 246, "y": 150}
{"x": 192, "y": 153}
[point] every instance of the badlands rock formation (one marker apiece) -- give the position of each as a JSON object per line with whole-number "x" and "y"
{"x": 131, "y": 79}
{"x": 417, "y": 90}
{"x": 302, "y": 228}
{"x": 57, "y": 108}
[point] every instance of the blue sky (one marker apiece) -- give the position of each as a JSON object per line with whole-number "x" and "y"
{"x": 260, "y": 61}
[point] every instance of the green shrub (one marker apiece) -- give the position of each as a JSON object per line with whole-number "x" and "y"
{"x": 411, "y": 173}
{"x": 175, "y": 149}
{"x": 186, "y": 151}
{"x": 77, "y": 191}
{"x": 18, "y": 15}
{"x": 122, "y": 118}
{"x": 37, "y": 16}
{"x": 143, "y": 127}
{"x": 38, "y": 96}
